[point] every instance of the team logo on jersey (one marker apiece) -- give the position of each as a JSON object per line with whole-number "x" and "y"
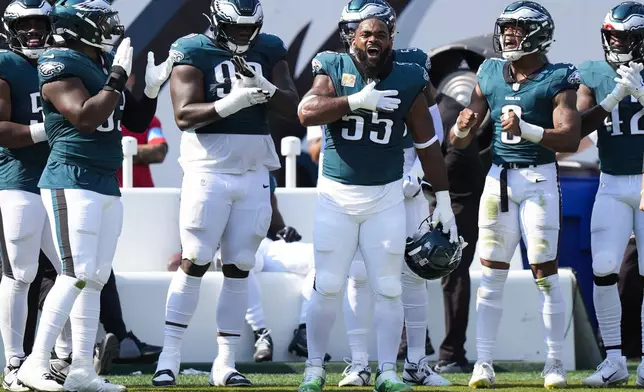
{"x": 348, "y": 80}
{"x": 425, "y": 75}
{"x": 176, "y": 55}
{"x": 50, "y": 68}
{"x": 316, "y": 65}
{"x": 574, "y": 78}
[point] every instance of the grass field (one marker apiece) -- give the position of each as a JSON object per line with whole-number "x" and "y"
{"x": 524, "y": 377}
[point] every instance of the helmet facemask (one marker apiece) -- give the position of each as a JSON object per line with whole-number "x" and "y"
{"x": 111, "y": 31}
{"x": 534, "y": 38}
{"x": 621, "y": 47}
{"x": 29, "y": 35}
{"x": 232, "y": 31}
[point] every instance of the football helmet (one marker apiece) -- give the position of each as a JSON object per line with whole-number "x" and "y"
{"x": 20, "y": 40}
{"x": 358, "y": 10}
{"x": 537, "y": 25}
{"x": 429, "y": 253}
{"x": 92, "y": 22}
{"x": 625, "y": 24}
{"x": 227, "y": 13}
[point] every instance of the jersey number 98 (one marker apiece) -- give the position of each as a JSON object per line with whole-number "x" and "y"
{"x": 225, "y": 71}
{"x": 507, "y": 137}
{"x": 355, "y": 131}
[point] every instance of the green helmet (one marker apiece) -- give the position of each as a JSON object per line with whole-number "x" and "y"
{"x": 31, "y": 42}
{"x": 92, "y": 22}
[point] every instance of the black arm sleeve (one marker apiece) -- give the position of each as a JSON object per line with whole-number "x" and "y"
{"x": 138, "y": 113}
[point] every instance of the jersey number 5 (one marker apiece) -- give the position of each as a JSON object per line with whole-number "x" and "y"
{"x": 507, "y": 137}
{"x": 36, "y": 108}
{"x": 226, "y": 71}
{"x": 358, "y": 129}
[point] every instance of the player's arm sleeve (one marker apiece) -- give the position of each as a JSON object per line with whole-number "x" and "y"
{"x": 138, "y": 113}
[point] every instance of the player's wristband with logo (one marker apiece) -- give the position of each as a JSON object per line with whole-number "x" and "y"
{"x": 117, "y": 79}
{"x": 38, "y": 133}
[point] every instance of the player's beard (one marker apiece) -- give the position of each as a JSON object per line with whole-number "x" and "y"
{"x": 372, "y": 68}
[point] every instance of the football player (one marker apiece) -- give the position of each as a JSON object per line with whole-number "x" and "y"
{"x": 358, "y": 301}
{"x": 532, "y": 103}
{"x": 222, "y": 90}
{"x": 610, "y": 97}
{"x": 367, "y": 101}
{"x": 23, "y": 156}
{"x": 84, "y": 101}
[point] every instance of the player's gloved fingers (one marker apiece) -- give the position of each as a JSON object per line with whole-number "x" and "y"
{"x": 389, "y": 93}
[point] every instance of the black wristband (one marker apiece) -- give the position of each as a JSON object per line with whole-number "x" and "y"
{"x": 117, "y": 79}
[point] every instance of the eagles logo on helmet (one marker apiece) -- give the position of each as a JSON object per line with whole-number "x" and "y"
{"x": 429, "y": 253}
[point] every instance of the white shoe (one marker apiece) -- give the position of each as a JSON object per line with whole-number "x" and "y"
{"x": 356, "y": 374}
{"x": 640, "y": 375}
{"x": 37, "y": 376}
{"x": 482, "y": 376}
{"x": 423, "y": 374}
{"x": 227, "y": 377}
{"x": 86, "y": 380}
{"x": 609, "y": 373}
{"x": 10, "y": 380}
{"x": 554, "y": 374}
{"x": 167, "y": 370}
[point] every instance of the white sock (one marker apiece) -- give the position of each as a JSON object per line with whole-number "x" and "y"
{"x": 388, "y": 319}
{"x": 231, "y": 307}
{"x": 182, "y": 300}
{"x": 553, "y": 309}
{"x": 63, "y": 346}
{"x": 84, "y": 319}
{"x": 320, "y": 318}
{"x": 307, "y": 289}
{"x": 357, "y": 314}
{"x": 414, "y": 300}
{"x": 608, "y": 309}
{"x": 13, "y": 315}
{"x": 55, "y": 313}
{"x": 489, "y": 308}
{"x": 255, "y": 311}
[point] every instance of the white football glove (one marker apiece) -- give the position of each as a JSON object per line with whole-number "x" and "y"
{"x": 371, "y": 99}
{"x": 444, "y": 215}
{"x": 411, "y": 186}
{"x": 240, "y": 98}
{"x": 250, "y": 78}
{"x": 156, "y": 75}
{"x": 124, "y": 55}
{"x": 631, "y": 78}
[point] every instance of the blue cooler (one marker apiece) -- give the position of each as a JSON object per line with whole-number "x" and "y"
{"x": 578, "y": 188}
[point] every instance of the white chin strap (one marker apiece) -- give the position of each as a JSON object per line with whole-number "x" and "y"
{"x": 620, "y": 58}
{"x": 513, "y": 55}
{"x": 32, "y": 53}
{"x": 237, "y": 49}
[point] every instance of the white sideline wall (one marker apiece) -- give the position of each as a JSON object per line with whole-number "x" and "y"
{"x": 520, "y": 335}
{"x": 150, "y": 232}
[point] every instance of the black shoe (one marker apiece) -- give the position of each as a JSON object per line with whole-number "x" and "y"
{"x": 59, "y": 367}
{"x": 263, "y": 346}
{"x": 445, "y": 367}
{"x": 105, "y": 353}
{"x": 132, "y": 350}
{"x": 298, "y": 345}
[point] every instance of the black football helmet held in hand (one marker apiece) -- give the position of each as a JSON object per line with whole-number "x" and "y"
{"x": 429, "y": 253}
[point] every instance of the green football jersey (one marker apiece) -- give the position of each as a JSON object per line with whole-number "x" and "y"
{"x": 364, "y": 147}
{"x": 80, "y": 160}
{"x": 215, "y": 63}
{"x": 20, "y": 168}
{"x": 621, "y": 139}
{"x": 532, "y": 102}
{"x": 414, "y": 56}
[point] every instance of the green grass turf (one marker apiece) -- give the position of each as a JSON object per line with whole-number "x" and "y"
{"x": 519, "y": 376}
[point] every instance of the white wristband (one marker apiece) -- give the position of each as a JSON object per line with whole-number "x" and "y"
{"x": 355, "y": 101}
{"x": 530, "y": 132}
{"x": 226, "y": 106}
{"x": 38, "y": 133}
{"x": 460, "y": 134}
{"x": 268, "y": 86}
{"x": 609, "y": 103}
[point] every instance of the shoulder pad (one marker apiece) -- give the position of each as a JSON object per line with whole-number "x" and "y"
{"x": 185, "y": 49}
{"x": 56, "y": 63}
{"x": 415, "y": 55}
{"x": 323, "y": 62}
{"x": 271, "y": 45}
